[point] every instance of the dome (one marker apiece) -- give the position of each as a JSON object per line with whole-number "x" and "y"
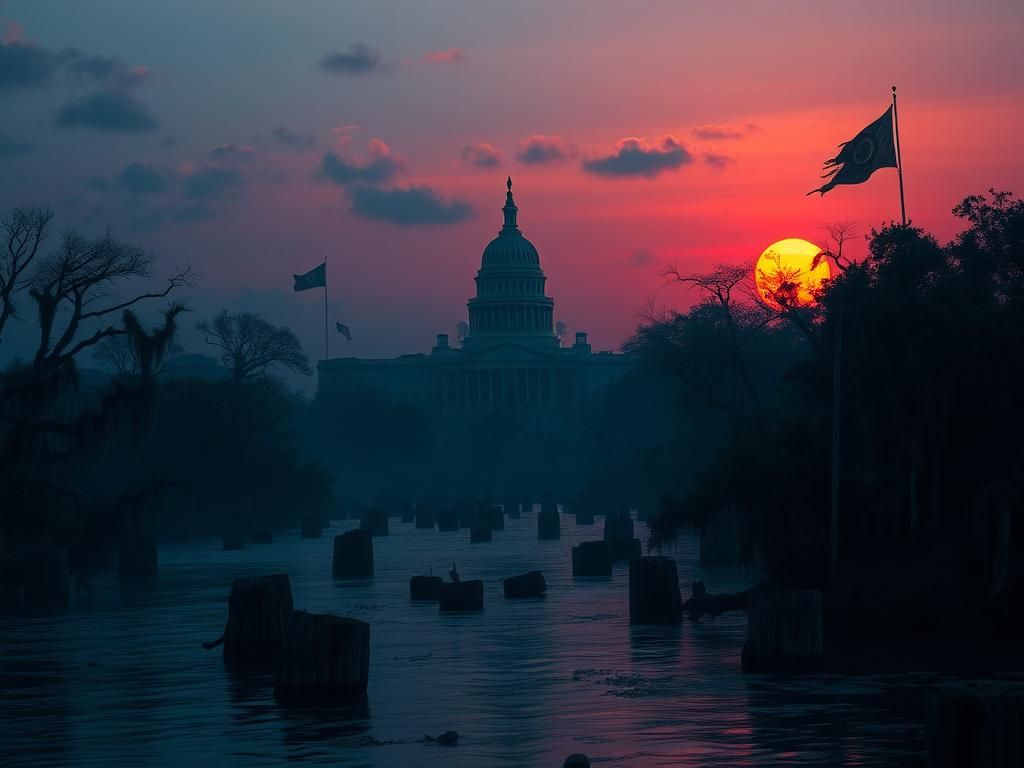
{"x": 510, "y": 305}
{"x": 510, "y": 248}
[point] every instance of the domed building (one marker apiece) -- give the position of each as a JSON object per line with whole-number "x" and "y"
{"x": 508, "y": 357}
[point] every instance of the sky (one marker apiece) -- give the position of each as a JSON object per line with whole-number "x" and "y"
{"x": 253, "y": 139}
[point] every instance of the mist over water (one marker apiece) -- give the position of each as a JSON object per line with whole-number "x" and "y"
{"x": 124, "y": 681}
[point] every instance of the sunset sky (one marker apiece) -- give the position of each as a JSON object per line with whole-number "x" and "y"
{"x": 256, "y": 138}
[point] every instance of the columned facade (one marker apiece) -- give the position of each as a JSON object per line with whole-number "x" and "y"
{"x": 510, "y": 361}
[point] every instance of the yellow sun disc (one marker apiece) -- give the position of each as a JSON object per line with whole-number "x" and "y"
{"x": 786, "y": 275}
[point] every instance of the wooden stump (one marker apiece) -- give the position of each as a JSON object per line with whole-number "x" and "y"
{"x": 233, "y": 540}
{"x": 425, "y": 587}
{"x": 375, "y": 520}
{"x": 325, "y": 658}
{"x": 447, "y": 520}
{"x": 585, "y": 518}
{"x": 262, "y": 537}
{"x": 618, "y": 527}
{"x": 529, "y": 584}
{"x": 496, "y": 518}
{"x": 424, "y": 515}
{"x": 625, "y": 549}
{"x": 975, "y": 723}
{"x": 512, "y": 510}
{"x": 479, "y": 535}
{"x": 784, "y": 631}
{"x": 47, "y": 579}
{"x": 468, "y": 516}
{"x": 549, "y": 525}
{"x": 406, "y": 511}
{"x": 311, "y": 528}
{"x": 654, "y": 591}
{"x": 353, "y": 555}
{"x": 137, "y": 559}
{"x": 576, "y": 760}
{"x": 592, "y": 558}
{"x": 461, "y": 596}
{"x": 258, "y": 613}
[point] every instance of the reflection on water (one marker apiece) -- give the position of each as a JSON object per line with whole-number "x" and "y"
{"x": 121, "y": 677}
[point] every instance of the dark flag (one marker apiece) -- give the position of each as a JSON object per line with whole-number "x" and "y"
{"x": 865, "y": 153}
{"x": 315, "y": 278}
{"x": 344, "y": 331}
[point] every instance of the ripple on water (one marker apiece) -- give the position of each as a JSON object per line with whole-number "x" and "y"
{"x": 122, "y": 679}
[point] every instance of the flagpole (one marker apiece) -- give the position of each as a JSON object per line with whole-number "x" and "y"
{"x": 899, "y": 161}
{"x": 326, "y": 336}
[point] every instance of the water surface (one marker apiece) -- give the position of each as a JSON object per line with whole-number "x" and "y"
{"x": 121, "y": 679}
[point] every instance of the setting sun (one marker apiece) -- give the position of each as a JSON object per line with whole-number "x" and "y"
{"x": 787, "y": 275}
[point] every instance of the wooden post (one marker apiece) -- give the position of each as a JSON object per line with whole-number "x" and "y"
{"x": 461, "y": 596}
{"x": 975, "y": 723}
{"x": 592, "y": 558}
{"x": 530, "y": 584}
{"x": 424, "y": 515}
{"x": 618, "y": 526}
{"x": 447, "y": 520}
{"x": 654, "y": 591}
{"x": 495, "y": 518}
{"x": 549, "y": 525}
{"x": 324, "y": 658}
{"x": 784, "y": 631}
{"x": 375, "y": 520}
{"x": 353, "y": 555}
{"x": 425, "y": 588}
{"x": 258, "y": 613}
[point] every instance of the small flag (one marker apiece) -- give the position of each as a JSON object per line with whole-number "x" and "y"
{"x": 858, "y": 158}
{"x": 315, "y": 278}
{"x": 344, "y": 331}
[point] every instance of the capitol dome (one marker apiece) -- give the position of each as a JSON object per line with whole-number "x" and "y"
{"x": 510, "y": 305}
{"x": 510, "y": 248}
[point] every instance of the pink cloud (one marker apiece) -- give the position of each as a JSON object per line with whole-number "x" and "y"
{"x": 543, "y": 150}
{"x": 482, "y": 155}
{"x": 451, "y": 56}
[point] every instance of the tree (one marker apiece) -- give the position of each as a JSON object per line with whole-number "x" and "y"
{"x": 251, "y": 347}
{"x": 24, "y": 231}
{"x": 78, "y": 289}
{"x": 709, "y": 347}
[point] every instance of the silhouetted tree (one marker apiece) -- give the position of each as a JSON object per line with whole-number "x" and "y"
{"x": 24, "y": 232}
{"x": 45, "y": 432}
{"x": 251, "y": 347}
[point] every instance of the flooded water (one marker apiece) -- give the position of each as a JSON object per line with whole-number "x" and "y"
{"x": 122, "y": 680}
